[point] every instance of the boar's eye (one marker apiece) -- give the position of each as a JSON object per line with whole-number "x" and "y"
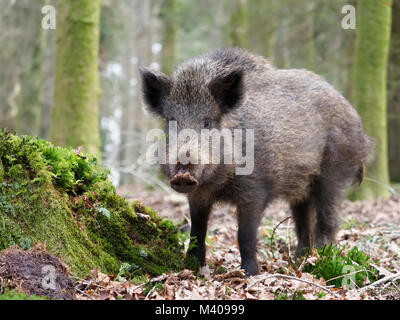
{"x": 207, "y": 123}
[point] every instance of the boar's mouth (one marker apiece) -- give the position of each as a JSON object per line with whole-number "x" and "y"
{"x": 184, "y": 183}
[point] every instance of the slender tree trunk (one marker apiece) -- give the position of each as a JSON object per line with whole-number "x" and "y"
{"x": 29, "y": 104}
{"x": 127, "y": 119}
{"x": 305, "y": 33}
{"x": 133, "y": 122}
{"x": 262, "y": 34}
{"x": 394, "y": 96}
{"x": 48, "y": 76}
{"x": 126, "y": 152}
{"x": 168, "y": 54}
{"x": 370, "y": 73}
{"x": 75, "y": 113}
{"x": 239, "y": 24}
{"x": 348, "y": 43}
{"x": 349, "y": 58}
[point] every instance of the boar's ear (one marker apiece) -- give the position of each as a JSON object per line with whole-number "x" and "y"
{"x": 155, "y": 87}
{"x": 228, "y": 89}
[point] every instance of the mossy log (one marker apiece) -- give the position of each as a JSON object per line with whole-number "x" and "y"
{"x": 62, "y": 198}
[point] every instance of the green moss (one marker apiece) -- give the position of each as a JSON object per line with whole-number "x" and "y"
{"x": 63, "y": 199}
{"x": 16, "y": 295}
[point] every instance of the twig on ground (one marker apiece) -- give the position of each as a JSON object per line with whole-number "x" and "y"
{"x": 84, "y": 293}
{"x": 348, "y": 274}
{"x": 381, "y": 281}
{"x": 88, "y": 282}
{"x": 160, "y": 278}
{"x": 297, "y": 279}
{"x": 150, "y": 292}
{"x": 139, "y": 286}
{"x": 277, "y": 226}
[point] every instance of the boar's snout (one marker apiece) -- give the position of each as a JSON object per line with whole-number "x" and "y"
{"x": 184, "y": 183}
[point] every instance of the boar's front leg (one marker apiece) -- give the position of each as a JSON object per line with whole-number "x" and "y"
{"x": 249, "y": 217}
{"x": 199, "y": 213}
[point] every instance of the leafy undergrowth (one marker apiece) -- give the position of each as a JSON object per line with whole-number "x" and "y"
{"x": 369, "y": 240}
{"x": 316, "y": 277}
{"x": 60, "y": 197}
{"x": 341, "y": 268}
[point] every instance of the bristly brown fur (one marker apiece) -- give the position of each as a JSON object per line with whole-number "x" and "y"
{"x": 309, "y": 143}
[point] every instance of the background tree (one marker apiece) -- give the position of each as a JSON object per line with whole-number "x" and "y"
{"x": 168, "y": 54}
{"x": 31, "y": 78}
{"x": 159, "y": 34}
{"x": 75, "y": 114}
{"x": 394, "y": 96}
{"x": 262, "y": 33}
{"x": 370, "y": 76}
{"x": 301, "y": 32}
{"x": 238, "y": 25}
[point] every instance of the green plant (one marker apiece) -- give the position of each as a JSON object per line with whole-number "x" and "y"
{"x": 148, "y": 286}
{"x": 220, "y": 270}
{"x": 337, "y": 265}
{"x": 159, "y": 286}
{"x": 127, "y": 271}
{"x": 285, "y": 295}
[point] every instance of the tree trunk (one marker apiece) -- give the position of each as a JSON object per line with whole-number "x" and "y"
{"x": 75, "y": 113}
{"x": 262, "y": 34}
{"x": 29, "y": 103}
{"x": 239, "y": 24}
{"x": 168, "y": 54}
{"x": 370, "y": 73}
{"x": 394, "y": 96}
{"x": 305, "y": 52}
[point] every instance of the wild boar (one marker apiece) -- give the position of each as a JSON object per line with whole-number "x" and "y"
{"x": 309, "y": 144}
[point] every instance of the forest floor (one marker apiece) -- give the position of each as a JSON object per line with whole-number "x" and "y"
{"x": 372, "y": 226}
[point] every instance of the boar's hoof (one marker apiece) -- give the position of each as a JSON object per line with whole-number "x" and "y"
{"x": 251, "y": 268}
{"x": 302, "y": 251}
{"x": 184, "y": 183}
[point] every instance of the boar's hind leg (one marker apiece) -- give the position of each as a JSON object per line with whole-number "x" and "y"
{"x": 302, "y": 212}
{"x": 327, "y": 195}
{"x": 249, "y": 218}
{"x": 199, "y": 214}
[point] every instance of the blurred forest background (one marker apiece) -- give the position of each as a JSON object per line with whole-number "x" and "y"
{"x": 116, "y": 37}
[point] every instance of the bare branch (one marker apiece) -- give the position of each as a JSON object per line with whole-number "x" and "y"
{"x": 296, "y": 279}
{"x": 381, "y": 281}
